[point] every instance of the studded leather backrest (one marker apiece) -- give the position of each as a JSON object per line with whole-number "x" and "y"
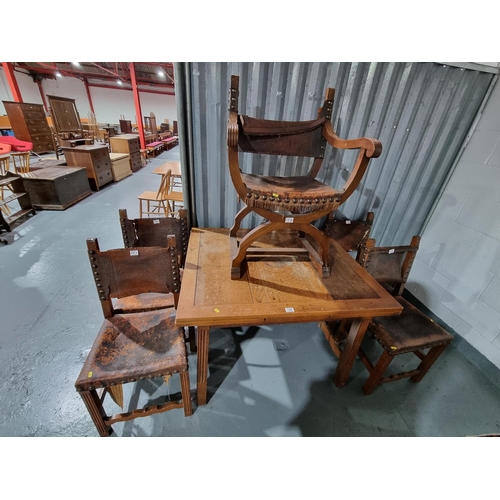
{"x": 131, "y": 271}
{"x": 279, "y": 137}
{"x": 153, "y": 232}
{"x": 389, "y": 265}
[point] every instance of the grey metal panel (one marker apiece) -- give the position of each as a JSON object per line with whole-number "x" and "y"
{"x": 421, "y": 113}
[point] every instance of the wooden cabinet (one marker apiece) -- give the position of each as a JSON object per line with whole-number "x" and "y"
{"x": 29, "y": 123}
{"x": 130, "y": 145}
{"x": 95, "y": 159}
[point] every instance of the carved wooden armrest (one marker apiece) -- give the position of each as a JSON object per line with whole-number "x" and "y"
{"x": 232, "y": 129}
{"x": 373, "y": 147}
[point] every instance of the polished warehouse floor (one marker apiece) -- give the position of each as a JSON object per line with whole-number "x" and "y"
{"x": 264, "y": 381}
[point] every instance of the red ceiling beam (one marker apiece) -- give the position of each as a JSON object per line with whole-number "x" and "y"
{"x": 39, "y": 83}
{"x": 11, "y": 78}
{"x": 86, "y": 83}
{"x": 97, "y": 76}
{"x": 102, "y": 86}
{"x": 137, "y": 106}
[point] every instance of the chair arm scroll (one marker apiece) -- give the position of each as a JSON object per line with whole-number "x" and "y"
{"x": 373, "y": 147}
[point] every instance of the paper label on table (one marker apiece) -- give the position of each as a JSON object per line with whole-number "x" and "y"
{"x": 134, "y": 252}
{"x": 391, "y": 250}
{"x": 289, "y": 219}
{"x": 289, "y": 309}
{"x": 156, "y": 221}
{"x": 276, "y": 195}
{"x": 347, "y": 221}
{"x": 216, "y": 310}
{"x": 89, "y": 374}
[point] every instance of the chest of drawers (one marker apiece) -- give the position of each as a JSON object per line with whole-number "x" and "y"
{"x": 95, "y": 159}
{"x": 29, "y": 123}
{"x": 128, "y": 144}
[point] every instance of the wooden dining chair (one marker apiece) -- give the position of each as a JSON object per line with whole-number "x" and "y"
{"x": 155, "y": 202}
{"x": 351, "y": 235}
{"x": 410, "y": 332}
{"x": 288, "y": 202}
{"x": 151, "y": 232}
{"x": 21, "y": 161}
{"x": 134, "y": 346}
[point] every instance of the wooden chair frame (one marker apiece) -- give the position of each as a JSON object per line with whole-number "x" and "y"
{"x": 391, "y": 267}
{"x": 155, "y": 351}
{"x": 307, "y": 200}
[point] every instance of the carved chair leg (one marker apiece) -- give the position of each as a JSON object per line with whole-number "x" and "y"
{"x": 427, "y": 362}
{"x": 97, "y": 412}
{"x": 322, "y": 241}
{"x": 186, "y": 393}
{"x": 245, "y": 243}
{"x": 237, "y": 220}
{"x": 377, "y": 373}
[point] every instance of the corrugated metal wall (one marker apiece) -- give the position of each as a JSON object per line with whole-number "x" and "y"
{"x": 421, "y": 113}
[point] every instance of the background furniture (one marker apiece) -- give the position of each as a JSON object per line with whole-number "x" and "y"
{"x": 29, "y": 124}
{"x": 275, "y": 292}
{"x": 175, "y": 172}
{"x": 135, "y": 346}
{"x": 125, "y": 126}
{"x": 128, "y": 144}
{"x": 20, "y": 208}
{"x": 21, "y": 162}
{"x": 120, "y": 166}
{"x": 67, "y": 123}
{"x": 411, "y": 331}
{"x": 293, "y": 202}
{"x": 16, "y": 144}
{"x": 56, "y": 188}
{"x": 156, "y": 203}
{"x": 95, "y": 159}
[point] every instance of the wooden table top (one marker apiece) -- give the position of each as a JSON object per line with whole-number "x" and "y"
{"x": 273, "y": 290}
{"x": 174, "y": 166}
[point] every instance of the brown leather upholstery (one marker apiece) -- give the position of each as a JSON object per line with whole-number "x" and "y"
{"x": 133, "y": 346}
{"x": 409, "y": 331}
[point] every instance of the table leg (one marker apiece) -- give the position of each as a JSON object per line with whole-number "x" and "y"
{"x": 350, "y": 351}
{"x": 202, "y": 369}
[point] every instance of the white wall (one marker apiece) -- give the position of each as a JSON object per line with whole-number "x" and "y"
{"x": 109, "y": 104}
{"x": 457, "y": 270}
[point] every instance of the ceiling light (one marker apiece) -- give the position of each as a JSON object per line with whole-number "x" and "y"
{"x": 58, "y": 74}
{"x": 119, "y": 82}
{"x": 161, "y": 72}
{"x": 76, "y": 64}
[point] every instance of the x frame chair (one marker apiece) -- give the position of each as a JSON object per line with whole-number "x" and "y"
{"x": 288, "y": 203}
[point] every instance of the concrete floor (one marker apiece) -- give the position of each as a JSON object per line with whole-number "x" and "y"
{"x": 264, "y": 381}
